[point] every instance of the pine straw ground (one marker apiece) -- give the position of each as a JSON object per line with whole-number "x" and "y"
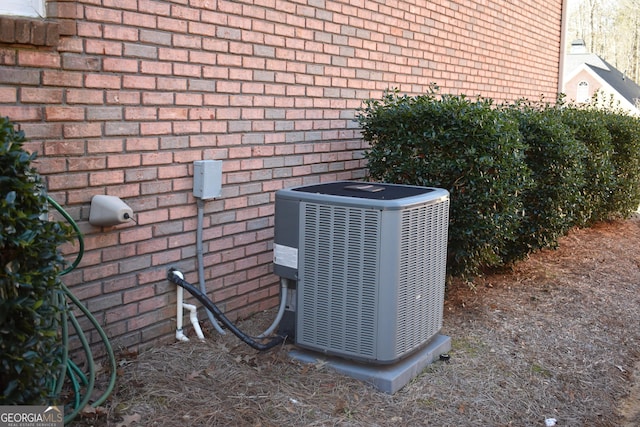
{"x": 557, "y": 336}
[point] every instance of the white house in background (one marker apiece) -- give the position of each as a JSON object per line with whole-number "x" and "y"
{"x": 586, "y": 73}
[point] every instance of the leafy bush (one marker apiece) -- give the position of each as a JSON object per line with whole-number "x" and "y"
{"x": 470, "y": 148}
{"x": 520, "y": 176}
{"x": 29, "y": 267}
{"x": 625, "y": 139}
{"x": 588, "y": 127}
{"x": 554, "y": 203}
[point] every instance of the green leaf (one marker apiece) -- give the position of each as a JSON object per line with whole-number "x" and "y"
{"x": 31, "y": 261}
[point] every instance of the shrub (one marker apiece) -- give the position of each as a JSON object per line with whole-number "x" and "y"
{"x": 553, "y": 204}
{"x": 520, "y": 176}
{"x": 470, "y": 148}
{"x": 588, "y": 127}
{"x": 29, "y": 267}
{"x": 624, "y": 198}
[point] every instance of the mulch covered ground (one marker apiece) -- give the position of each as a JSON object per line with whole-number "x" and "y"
{"x": 555, "y": 338}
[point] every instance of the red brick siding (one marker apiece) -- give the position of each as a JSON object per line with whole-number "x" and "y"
{"x": 133, "y": 93}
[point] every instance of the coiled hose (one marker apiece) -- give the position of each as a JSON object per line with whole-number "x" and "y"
{"x": 77, "y": 378}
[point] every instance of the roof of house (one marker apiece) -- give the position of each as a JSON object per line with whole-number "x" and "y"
{"x": 618, "y": 81}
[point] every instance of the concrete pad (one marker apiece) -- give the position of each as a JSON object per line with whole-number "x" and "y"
{"x": 386, "y": 378}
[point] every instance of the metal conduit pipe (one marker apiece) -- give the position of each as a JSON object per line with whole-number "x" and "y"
{"x": 281, "y": 308}
{"x": 199, "y": 251}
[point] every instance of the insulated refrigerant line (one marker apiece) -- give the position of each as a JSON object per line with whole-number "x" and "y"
{"x": 209, "y": 305}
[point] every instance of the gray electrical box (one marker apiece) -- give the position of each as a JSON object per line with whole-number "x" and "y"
{"x": 367, "y": 263}
{"x": 207, "y": 178}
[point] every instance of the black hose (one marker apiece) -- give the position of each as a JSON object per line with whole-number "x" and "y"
{"x": 209, "y": 305}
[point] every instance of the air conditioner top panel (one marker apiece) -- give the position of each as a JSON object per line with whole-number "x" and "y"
{"x": 366, "y": 194}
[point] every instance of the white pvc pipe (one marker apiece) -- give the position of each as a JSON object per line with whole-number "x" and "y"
{"x": 180, "y": 336}
{"x": 193, "y": 316}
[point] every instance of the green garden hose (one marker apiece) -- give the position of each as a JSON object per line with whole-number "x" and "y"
{"x": 77, "y": 378}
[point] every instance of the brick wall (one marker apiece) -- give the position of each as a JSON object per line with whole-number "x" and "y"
{"x": 132, "y": 92}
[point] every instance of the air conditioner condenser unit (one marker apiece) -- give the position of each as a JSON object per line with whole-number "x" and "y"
{"x": 366, "y": 264}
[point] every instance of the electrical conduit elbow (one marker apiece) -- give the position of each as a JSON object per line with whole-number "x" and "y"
{"x": 281, "y": 308}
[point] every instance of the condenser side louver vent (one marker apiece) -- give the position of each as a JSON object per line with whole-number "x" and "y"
{"x": 338, "y": 279}
{"x": 421, "y": 274}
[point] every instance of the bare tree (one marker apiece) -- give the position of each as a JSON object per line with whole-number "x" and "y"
{"x": 627, "y": 28}
{"x": 610, "y": 29}
{"x": 594, "y": 21}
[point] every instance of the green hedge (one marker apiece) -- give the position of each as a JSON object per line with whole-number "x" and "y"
{"x": 29, "y": 267}
{"x": 554, "y": 202}
{"x": 588, "y": 127}
{"x": 625, "y": 142}
{"x": 466, "y": 146}
{"x": 520, "y": 175}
